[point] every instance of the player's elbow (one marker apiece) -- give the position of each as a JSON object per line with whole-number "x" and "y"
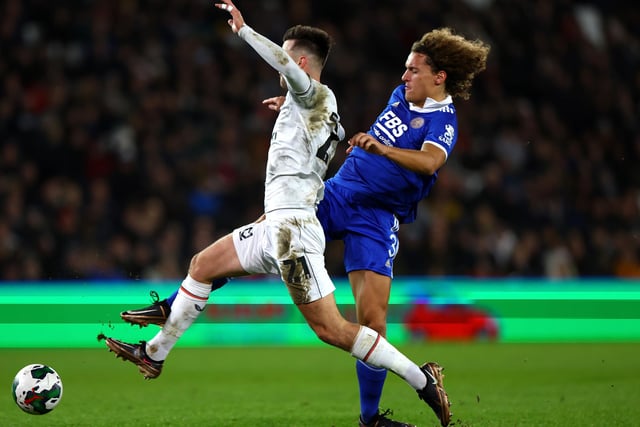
{"x": 431, "y": 164}
{"x": 432, "y": 158}
{"x": 431, "y": 169}
{"x": 427, "y": 166}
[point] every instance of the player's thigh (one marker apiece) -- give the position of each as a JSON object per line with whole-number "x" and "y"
{"x": 371, "y": 241}
{"x": 217, "y": 260}
{"x": 300, "y": 255}
{"x": 253, "y": 245}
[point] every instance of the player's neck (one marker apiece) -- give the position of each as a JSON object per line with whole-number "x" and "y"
{"x": 315, "y": 75}
{"x": 438, "y": 96}
{"x": 313, "y": 71}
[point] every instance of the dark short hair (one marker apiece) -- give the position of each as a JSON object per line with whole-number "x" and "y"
{"x": 318, "y": 42}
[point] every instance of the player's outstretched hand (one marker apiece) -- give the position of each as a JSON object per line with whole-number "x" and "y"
{"x": 237, "y": 21}
{"x": 367, "y": 143}
{"x": 274, "y": 103}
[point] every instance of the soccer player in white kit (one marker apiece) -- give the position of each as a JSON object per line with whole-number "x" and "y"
{"x": 288, "y": 240}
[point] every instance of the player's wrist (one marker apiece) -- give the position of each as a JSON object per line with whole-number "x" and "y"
{"x": 243, "y": 29}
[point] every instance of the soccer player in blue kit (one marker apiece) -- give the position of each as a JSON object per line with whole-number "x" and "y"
{"x": 389, "y": 169}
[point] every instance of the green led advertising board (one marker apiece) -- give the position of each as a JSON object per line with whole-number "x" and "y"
{"x": 259, "y": 312}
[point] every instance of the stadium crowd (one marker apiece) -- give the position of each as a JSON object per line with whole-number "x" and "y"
{"x": 127, "y": 143}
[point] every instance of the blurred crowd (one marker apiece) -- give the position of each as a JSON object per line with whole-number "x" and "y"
{"x": 132, "y": 133}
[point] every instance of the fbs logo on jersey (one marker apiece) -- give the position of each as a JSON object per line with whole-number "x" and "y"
{"x": 389, "y": 127}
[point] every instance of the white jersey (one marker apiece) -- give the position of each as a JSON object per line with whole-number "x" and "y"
{"x": 290, "y": 241}
{"x": 305, "y": 134}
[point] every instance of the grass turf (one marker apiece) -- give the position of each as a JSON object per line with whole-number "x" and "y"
{"x": 489, "y": 385}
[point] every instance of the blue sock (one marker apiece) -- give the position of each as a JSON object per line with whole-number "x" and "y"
{"x": 172, "y": 297}
{"x": 371, "y": 380}
{"x": 216, "y": 284}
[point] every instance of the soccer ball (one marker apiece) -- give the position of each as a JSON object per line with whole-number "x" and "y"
{"x": 37, "y": 389}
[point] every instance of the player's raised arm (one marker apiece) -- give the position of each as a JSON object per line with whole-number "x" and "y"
{"x": 237, "y": 21}
{"x": 274, "y": 55}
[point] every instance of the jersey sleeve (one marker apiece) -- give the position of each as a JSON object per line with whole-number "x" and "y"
{"x": 298, "y": 81}
{"x": 443, "y": 132}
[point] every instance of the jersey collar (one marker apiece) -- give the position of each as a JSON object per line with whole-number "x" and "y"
{"x": 431, "y": 105}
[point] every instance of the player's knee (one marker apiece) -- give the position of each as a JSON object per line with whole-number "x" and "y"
{"x": 193, "y": 263}
{"x": 197, "y": 270}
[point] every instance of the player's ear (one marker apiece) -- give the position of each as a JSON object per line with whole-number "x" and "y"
{"x": 302, "y": 62}
{"x": 441, "y": 76}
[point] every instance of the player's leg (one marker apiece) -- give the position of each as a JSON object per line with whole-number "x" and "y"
{"x": 297, "y": 245}
{"x": 216, "y": 261}
{"x": 219, "y": 282}
{"x": 371, "y": 244}
{"x": 368, "y": 346}
{"x": 215, "y": 285}
{"x": 362, "y": 342}
{"x": 371, "y": 293}
{"x": 158, "y": 312}
{"x": 363, "y": 229}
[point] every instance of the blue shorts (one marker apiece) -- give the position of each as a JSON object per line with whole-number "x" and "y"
{"x": 370, "y": 233}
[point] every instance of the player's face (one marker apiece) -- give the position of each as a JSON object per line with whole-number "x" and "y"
{"x": 419, "y": 80}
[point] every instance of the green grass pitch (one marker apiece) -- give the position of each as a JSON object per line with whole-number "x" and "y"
{"x": 489, "y": 385}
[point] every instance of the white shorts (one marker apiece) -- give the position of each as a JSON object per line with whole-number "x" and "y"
{"x": 289, "y": 242}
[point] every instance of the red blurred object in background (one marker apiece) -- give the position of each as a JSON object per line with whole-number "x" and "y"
{"x": 450, "y": 322}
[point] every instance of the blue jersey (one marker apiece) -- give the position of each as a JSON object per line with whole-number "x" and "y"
{"x": 376, "y": 181}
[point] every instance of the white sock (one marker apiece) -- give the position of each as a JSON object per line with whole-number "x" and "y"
{"x": 189, "y": 303}
{"x": 375, "y": 350}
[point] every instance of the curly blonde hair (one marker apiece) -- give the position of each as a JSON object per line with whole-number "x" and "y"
{"x": 459, "y": 57}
